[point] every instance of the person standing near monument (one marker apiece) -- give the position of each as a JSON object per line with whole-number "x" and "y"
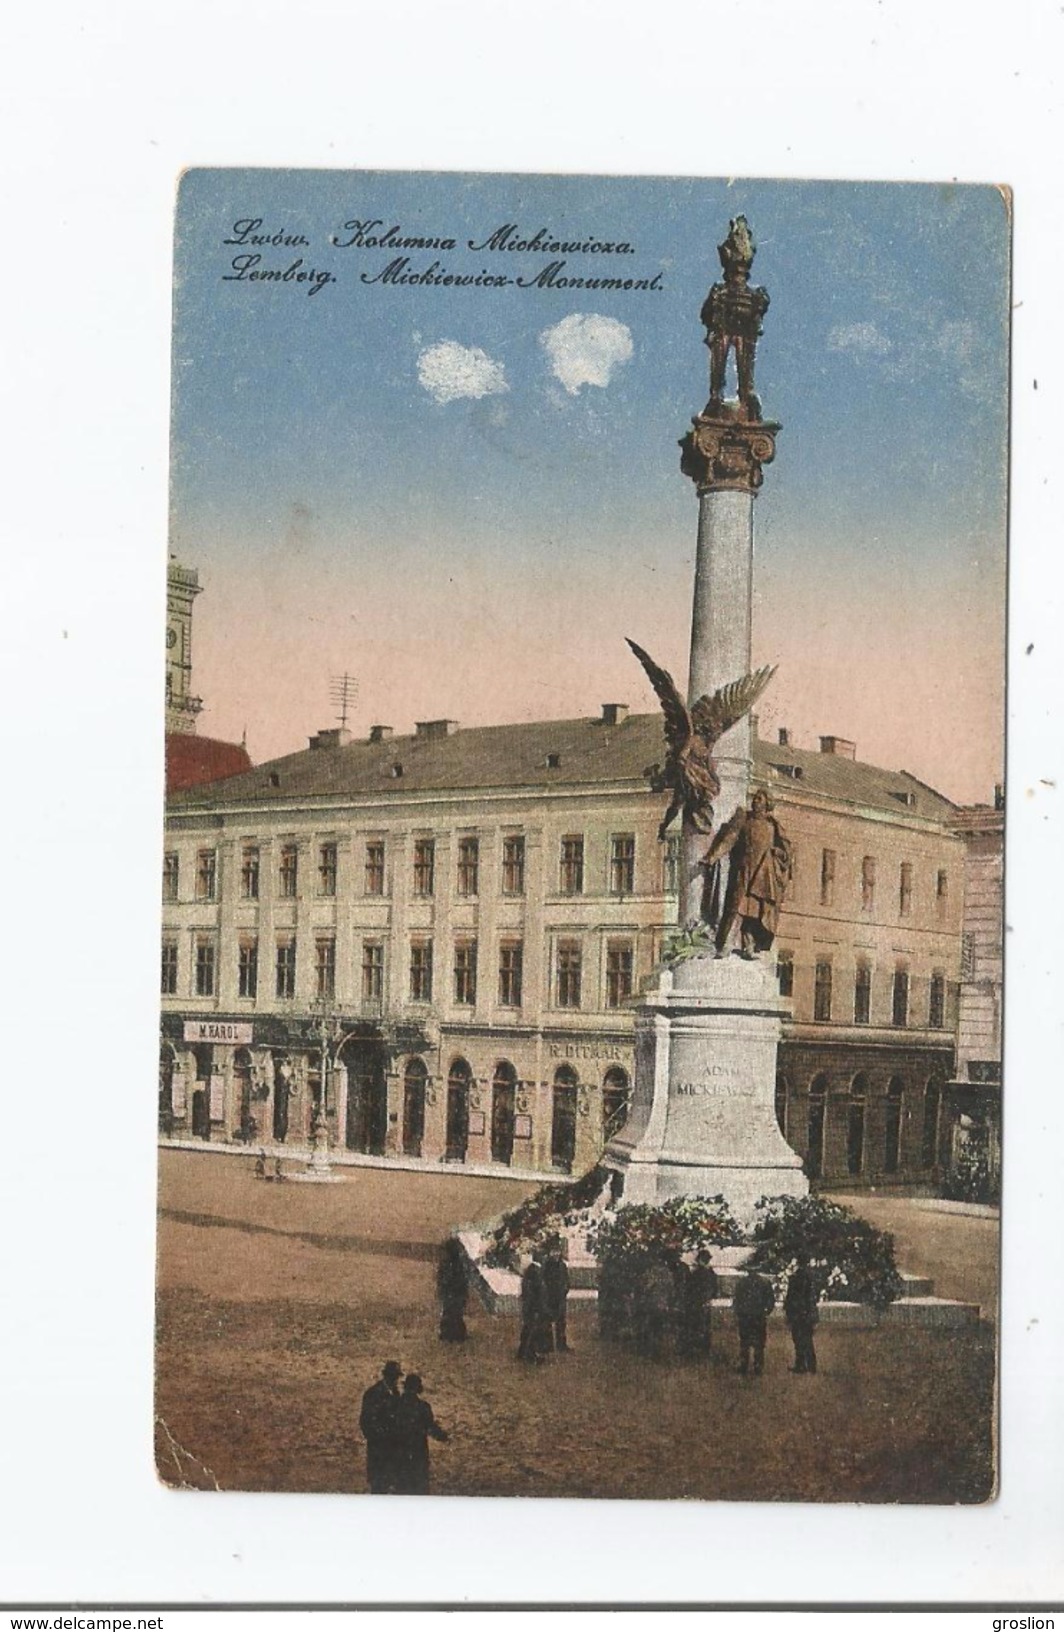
{"x": 801, "y": 1313}
{"x": 556, "y": 1292}
{"x": 534, "y": 1340}
{"x": 453, "y": 1292}
{"x": 415, "y": 1425}
{"x": 753, "y": 1302}
{"x": 757, "y": 880}
{"x": 700, "y": 1287}
{"x": 378, "y": 1423}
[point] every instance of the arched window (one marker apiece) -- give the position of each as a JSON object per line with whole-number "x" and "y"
{"x": 457, "y": 1136}
{"x": 503, "y": 1106}
{"x": 247, "y": 1126}
{"x": 818, "y": 1096}
{"x": 563, "y": 1118}
{"x": 414, "y": 1080}
{"x": 932, "y": 1113}
{"x": 783, "y": 1094}
{"x": 893, "y": 1127}
{"x": 855, "y": 1124}
{"x": 616, "y": 1097}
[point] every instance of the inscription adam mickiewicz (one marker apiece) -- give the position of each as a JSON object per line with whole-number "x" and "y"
{"x": 717, "y": 1090}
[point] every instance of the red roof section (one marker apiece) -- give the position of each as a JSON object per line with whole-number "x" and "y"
{"x": 191, "y": 760}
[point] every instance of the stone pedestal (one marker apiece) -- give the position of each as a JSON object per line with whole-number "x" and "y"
{"x": 703, "y": 1118}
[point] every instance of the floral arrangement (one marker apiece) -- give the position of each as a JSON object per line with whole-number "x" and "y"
{"x": 852, "y": 1260}
{"x": 542, "y": 1216}
{"x": 643, "y": 1232}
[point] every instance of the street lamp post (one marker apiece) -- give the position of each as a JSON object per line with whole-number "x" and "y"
{"x": 331, "y": 1039}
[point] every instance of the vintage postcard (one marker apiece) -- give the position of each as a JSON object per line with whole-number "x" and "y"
{"x": 581, "y": 949}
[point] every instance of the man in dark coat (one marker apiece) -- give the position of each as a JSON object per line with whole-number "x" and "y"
{"x": 753, "y": 1302}
{"x": 378, "y": 1422}
{"x": 415, "y": 1424}
{"x": 535, "y": 1333}
{"x": 761, "y": 859}
{"x": 452, "y": 1289}
{"x": 700, "y": 1287}
{"x": 556, "y": 1292}
{"x": 801, "y": 1313}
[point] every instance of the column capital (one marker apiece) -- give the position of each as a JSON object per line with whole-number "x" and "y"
{"x": 723, "y": 453}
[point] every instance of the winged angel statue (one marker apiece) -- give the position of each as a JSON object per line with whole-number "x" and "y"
{"x": 691, "y": 735}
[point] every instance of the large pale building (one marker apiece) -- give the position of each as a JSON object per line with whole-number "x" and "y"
{"x": 456, "y": 925}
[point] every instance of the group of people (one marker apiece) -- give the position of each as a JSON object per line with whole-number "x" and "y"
{"x": 397, "y": 1425}
{"x": 544, "y": 1297}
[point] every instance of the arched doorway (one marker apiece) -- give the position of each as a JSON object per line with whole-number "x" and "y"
{"x": 282, "y": 1092}
{"x": 247, "y": 1127}
{"x": 167, "y": 1058}
{"x": 929, "y": 1143}
{"x": 855, "y": 1124}
{"x": 457, "y": 1135}
{"x": 367, "y": 1098}
{"x": 414, "y": 1081}
{"x": 616, "y": 1102}
{"x": 563, "y": 1119}
{"x": 893, "y": 1125}
{"x": 201, "y": 1094}
{"x": 818, "y": 1098}
{"x": 783, "y": 1097}
{"x": 503, "y": 1098}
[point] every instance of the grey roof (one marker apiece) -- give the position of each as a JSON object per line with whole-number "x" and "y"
{"x": 516, "y": 756}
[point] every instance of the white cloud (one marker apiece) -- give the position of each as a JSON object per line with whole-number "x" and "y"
{"x": 863, "y": 339}
{"x": 585, "y": 349}
{"x": 449, "y": 372}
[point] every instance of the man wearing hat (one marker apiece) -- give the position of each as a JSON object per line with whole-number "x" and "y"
{"x": 753, "y": 1302}
{"x": 378, "y": 1421}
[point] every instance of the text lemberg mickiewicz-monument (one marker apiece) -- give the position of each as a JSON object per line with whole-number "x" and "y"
{"x": 703, "y": 1118}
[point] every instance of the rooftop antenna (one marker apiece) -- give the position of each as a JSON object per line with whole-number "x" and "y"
{"x": 343, "y": 689}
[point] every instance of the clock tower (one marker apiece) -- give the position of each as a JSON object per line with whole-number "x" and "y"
{"x": 182, "y": 587}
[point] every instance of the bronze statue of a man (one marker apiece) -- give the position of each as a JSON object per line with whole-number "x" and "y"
{"x": 761, "y": 860}
{"x": 732, "y": 314}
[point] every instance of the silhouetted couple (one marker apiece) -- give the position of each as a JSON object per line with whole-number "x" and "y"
{"x": 544, "y": 1295}
{"x": 397, "y": 1426}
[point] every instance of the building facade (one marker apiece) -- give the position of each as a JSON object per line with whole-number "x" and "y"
{"x": 441, "y": 938}
{"x": 974, "y": 1096}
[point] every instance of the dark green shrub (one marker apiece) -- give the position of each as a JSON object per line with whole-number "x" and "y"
{"x": 853, "y": 1261}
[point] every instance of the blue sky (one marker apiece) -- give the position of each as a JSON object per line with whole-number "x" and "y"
{"x": 483, "y": 555}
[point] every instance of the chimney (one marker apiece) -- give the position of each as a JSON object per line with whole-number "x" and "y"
{"x": 436, "y": 728}
{"x": 839, "y": 746}
{"x": 614, "y": 713}
{"x": 785, "y": 737}
{"x": 379, "y": 733}
{"x": 336, "y": 737}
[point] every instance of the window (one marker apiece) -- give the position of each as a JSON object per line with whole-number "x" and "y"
{"x": 568, "y": 974}
{"x": 936, "y": 1004}
{"x": 905, "y": 889}
{"x": 465, "y": 972}
{"x": 204, "y": 966}
{"x": 375, "y": 867}
{"x": 248, "y": 968}
{"x": 510, "y": 962}
{"x": 572, "y": 873}
{"x": 855, "y": 1125}
{"x": 168, "y": 983}
{"x": 868, "y": 883}
{"x": 932, "y": 1107}
{"x": 206, "y": 875}
{"x": 862, "y": 994}
{"x": 249, "y": 872}
{"x": 327, "y": 869}
{"x": 815, "y": 1127}
{"x": 900, "y": 998}
{"x": 286, "y": 967}
{"x": 372, "y": 971}
{"x": 622, "y": 864}
{"x": 421, "y": 972}
{"x": 670, "y": 865}
{"x": 616, "y": 1096}
{"x": 424, "y": 866}
{"x": 289, "y": 870}
{"x": 827, "y": 878}
{"x": 618, "y": 973}
{"x": 822, "y": 991}
{"x": 563, "y": 1119}
{"x": 414, "y": 1083}
{"x": 513, "y": 865}
{"x": 893, "y": 1122}
{"x": 468, "y": 865}
{"x": 171, "y": 875}
{"x": 785, "y": 973}
{"x": 325, "y": 966}
{"x": 941, "y": 892}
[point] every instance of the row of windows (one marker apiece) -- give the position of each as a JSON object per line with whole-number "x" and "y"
{"x": 857, "y": 1155}
{"x": 824, "y": 995}
{"x": 621, "y": 879}
{"x": 568, "y": 971}
{"x": 903, "y": 899}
